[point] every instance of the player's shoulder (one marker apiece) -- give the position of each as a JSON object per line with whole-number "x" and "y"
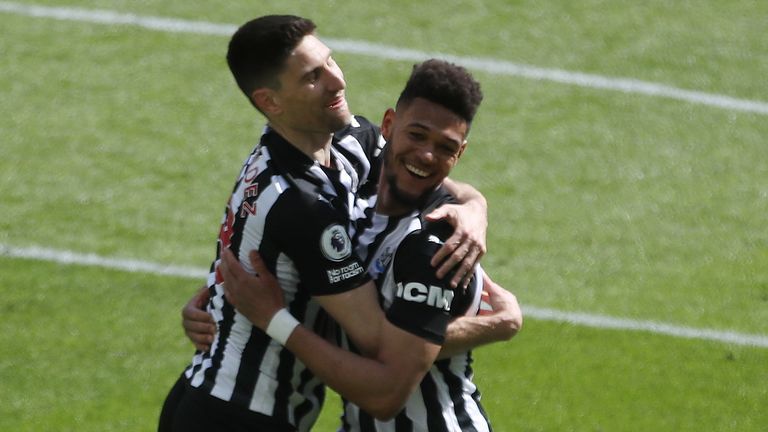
{"x": 362, "y": 123}
{"x": 430, "y": 235}
{"x": 362, "y": 130}
{"x": 437, "y": 198}
{"x": 412, "y": 265}
{"x": 415, "y": 251}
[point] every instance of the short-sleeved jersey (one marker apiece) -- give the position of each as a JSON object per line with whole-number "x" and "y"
{"x": 415, "y": 299}
{"x": 297, "y": 214}
{"x": 397, "y": 253}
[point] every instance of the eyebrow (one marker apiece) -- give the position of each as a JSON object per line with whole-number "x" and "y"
{"x": 424, "y": 127}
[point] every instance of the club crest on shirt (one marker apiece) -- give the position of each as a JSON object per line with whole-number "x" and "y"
{"x": 335, "y": 243}
{"x": 381, "y": 263}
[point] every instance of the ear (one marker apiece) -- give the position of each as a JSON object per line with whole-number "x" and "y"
{"x": 461, "y": 150}
{"x": 265, "y": 99}
{"x": 387, "y": 124}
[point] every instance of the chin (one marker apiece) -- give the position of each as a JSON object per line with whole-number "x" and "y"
{"x": 412, "y": 196}
{"x": 341, "y": 122}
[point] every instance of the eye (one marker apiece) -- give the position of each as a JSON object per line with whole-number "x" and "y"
{"x": 415, "y": 135}
{"x": 448, "y": 150}
{"x": 313, "y": 76}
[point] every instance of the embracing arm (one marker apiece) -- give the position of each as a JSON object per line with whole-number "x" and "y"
{"x": 381, "y": 384}
{"x": 467, "y": 244}
{"x": 465, "y": 193}
{"x": 198, "y": 324}
{"x": 468, "y": 332}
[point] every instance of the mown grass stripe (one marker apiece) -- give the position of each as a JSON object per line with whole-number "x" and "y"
{"x": 493, "y": 66}
{"x": 576, "y": 318}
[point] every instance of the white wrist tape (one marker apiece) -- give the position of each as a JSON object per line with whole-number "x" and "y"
{"x": 281, "y": 326}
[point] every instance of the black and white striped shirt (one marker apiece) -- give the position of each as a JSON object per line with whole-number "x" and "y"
{"x": 397, "y": 252}
{"x": 297, "y": 214}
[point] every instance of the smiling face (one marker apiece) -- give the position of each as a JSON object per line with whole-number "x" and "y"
{"x": 424, "y": 142}
{"x": 311, "y": 97}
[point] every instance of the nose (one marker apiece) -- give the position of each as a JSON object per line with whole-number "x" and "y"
{"x": 336, "y": 78}
{"x": 426, "y": 153}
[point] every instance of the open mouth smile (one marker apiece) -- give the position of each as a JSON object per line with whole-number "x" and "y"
{"x": 337, "y": 103}
{"x": 416, "y": 171}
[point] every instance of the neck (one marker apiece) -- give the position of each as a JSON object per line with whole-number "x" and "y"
{"x": 387, "y": 202}
{"x": 315, "y": 145}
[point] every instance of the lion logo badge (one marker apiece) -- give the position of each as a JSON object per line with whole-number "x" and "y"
{"x": 335, "y": 243}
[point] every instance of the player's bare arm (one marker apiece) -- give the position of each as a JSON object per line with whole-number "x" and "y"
{"x": 259, "y": 297}
{"x": 464, "y": 333}
{"x": 500, "y": 324}
{"x": 198, "y": 324}
{"x": 380, "y": 385}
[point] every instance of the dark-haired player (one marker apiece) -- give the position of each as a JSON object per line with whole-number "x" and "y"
{"x": 402, "y": 386}
{"x": 293, "y": 202}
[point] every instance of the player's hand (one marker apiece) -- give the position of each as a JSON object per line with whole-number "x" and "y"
{"x": 198, "y": 324}
{"x": 258, "y": 296}
{"x": 463, "y": 250}
{"x": 505, "y": 306}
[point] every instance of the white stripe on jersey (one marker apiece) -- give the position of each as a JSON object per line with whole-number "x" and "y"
{"x": 352, "y": 145}
{"x": 358, "y": 215}
{"x": 285, "y": 272}
{"x": 253, "y": 230}
{"x": 239, "y": 335}
{"x": 458, "y": 364}
{"x": 382, "y": 250}
{"x": 240, "y": 332}
{"x": 262, "y": 399}
{"x": 266, "y": 384}
{"x": 348, "y": 177}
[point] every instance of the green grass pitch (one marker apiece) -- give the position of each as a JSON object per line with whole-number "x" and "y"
{"x": 123, "y": 142}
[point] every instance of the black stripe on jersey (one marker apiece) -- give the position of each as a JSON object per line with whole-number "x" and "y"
{"x": 225, "y": 328}
{"x": 403, "y": 423}
{"x": 283, "y": 391}
{"x": 366, "y": 422}
{"x": 318, "y": 390}
{"x": 258, "y": 342}
{"x": 298, "y": 308}
{"x": 435, "y": 420}
{"x": 476, "y": 397}
{"x": 247, "y": 375}
{"x": 454, "y": 384}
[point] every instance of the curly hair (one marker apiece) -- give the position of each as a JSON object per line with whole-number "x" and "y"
{"x": 259, "y": 48}
{"x": 445, "y": 84}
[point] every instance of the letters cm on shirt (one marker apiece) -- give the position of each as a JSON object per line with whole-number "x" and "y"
{"x": 434, "y": 296}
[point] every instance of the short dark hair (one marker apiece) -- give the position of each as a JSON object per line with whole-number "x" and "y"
{"x": 259, "y": 48}
{"x": 445, "y": 84}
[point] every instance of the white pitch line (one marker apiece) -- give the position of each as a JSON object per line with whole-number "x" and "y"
{"x": 69, "y": 257}
{"x": 490, "y": 65}
{"x": 607, "y": 322}
{"x": 577, "y": 318}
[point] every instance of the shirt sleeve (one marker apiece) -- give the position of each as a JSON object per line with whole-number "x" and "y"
{"x": 314, "y": 237}
{"x": 423, "y": 303}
